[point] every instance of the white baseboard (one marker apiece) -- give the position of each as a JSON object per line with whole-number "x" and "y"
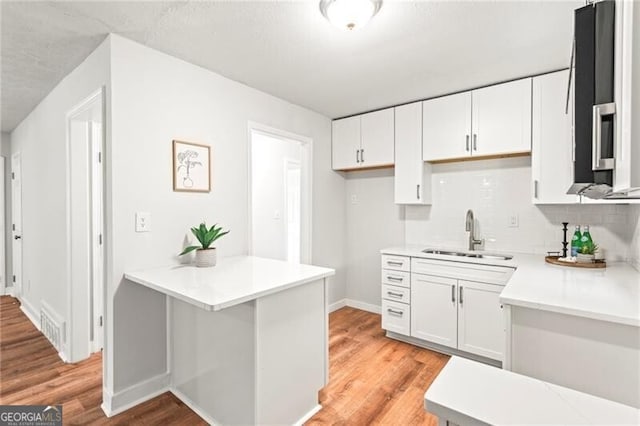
{"x": 30, "y": 312}
{"x": 376, "y": 309}
{"x": 307, "y": 416}
{"x": 337, "y": 305}
{"x": 355, "y": 304}
{"x": 120, "y": 401}
{"x": 194, "y": 407}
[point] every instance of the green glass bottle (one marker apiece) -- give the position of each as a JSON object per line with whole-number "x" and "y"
{"x": 586, "y": 243}
{"x": 576, "y": 242}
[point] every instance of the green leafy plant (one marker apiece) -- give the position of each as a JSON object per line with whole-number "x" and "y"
{"x": 206, "y": 237}
{"x": 589, "y": 249}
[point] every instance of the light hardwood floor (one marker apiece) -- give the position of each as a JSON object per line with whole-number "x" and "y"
{"x": 373, "y": 379}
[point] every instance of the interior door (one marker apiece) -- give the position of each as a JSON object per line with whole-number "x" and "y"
{"x": 433, "y": 309}
{"x": 501, "y": 118}
{"x": 446, "y": 127}
{"x": 16, "y": 228}
{"x": 481, "y": 327}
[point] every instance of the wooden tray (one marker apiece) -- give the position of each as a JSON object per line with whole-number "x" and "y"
{"x": 598, "y": 264}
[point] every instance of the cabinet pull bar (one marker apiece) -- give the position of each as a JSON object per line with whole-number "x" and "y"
{"x": 467, "y": 143}
{"x": 460, "y": 295}
{"x": 535, "y": 189}
{"x": 358, "y": 156}
{"x": 394, "y": 294}
{"x": 418, "y": 191}
{"x": 475, "y": 142}
{"x": 453, "y": 294}
{"x": 393, "y": 311}
{"x": 389, "y": 277}
{"x": 362, "y": 155}
{"x": 391, "y": 262}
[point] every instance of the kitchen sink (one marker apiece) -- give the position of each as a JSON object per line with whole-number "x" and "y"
{"x": 488, "y": 256}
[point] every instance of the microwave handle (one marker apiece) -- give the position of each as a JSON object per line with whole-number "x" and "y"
{"x": 599, "y": 163}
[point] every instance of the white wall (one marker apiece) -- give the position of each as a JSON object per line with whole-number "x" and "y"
{"x": 41, "y": 139}
{"x": 494, "y": 189}
{"x": 373, "y": 222}
{"x": 157, "y": 98}
{"x": 268, "y": 203}
{"x": 5, "y": 151}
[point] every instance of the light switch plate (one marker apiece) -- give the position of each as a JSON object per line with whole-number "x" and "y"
{"x": 143, "y": 222}
{"x": 513, "y": 221}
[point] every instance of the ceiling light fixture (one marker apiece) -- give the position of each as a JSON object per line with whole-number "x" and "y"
{"x": 349, "y": 14}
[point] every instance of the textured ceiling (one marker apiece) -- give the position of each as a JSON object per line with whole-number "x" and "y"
{"x": 411, "y": 50}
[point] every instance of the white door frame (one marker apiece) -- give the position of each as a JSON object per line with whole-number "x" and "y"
{"x": 3, "y": 231}
{"x": 306, "y": 202}
{"x": 88, "y": 338}
{"x": 16, "y": 222}
{"x": 288, "y": 163}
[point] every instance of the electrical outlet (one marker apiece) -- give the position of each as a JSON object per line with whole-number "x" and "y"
{"x": 513, "y": 221}
{"x": 143, "y": 222}
{"x": 354, "y": 199}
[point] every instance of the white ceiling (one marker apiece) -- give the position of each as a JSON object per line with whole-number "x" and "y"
{"x": 411, "y": 50}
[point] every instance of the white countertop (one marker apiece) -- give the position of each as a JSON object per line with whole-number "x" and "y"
{"x": 493, "y": 396}
{"x": 609, "y": 294}
{"x": 232, "y": 281}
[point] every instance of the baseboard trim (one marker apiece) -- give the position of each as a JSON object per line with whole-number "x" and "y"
{"x": 121, "y": 401}
{"x": 309, "y": 414}
{"x": 195, "y": 407}
{"x": 376, "y": 309}
{"x": 28, "y": 310}
{"x": 337, "y": 305}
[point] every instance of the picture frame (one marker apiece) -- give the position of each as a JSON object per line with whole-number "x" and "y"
{"x": 191, "y": 167}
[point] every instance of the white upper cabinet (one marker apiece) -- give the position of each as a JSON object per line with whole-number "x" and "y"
{"x": 377, "y": 139}
{"x": 412, "y": 175}
{"x": 501, "y": 119}
{"x": 491, "y": 121}
{"x": 446, "y": 129}
{"x": 363, "y": 141}
{"x": 551, "y": 149}
{"x": 345, "y": 139}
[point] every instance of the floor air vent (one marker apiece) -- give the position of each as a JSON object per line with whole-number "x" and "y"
{"x": 52, "y": 326}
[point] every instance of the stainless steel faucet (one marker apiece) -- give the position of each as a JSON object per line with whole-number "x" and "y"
{"x": 470, "y": 227}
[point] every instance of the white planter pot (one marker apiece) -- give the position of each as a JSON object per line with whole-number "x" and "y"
{"x": 584, "y": 258}
{"x": 206, "y": 258}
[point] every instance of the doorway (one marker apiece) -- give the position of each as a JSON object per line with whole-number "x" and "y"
{"x": 85, "y": 138}
{"x": 16, "y": 226}
{"x": 280, "y": 195}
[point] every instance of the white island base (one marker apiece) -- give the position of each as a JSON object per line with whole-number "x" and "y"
{"x": 248, "y": 339}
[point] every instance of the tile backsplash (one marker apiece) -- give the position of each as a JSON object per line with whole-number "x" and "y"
{"x": 498, "y": 190}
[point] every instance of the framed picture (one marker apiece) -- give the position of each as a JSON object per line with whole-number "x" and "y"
{"x": 191, "y": 167}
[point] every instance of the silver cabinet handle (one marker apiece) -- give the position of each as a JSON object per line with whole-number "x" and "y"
{"x": 467, "y": 143}
{"x": 475, "y": 142}
{"x": 358, "y": 156}
{"x": 393, "y": 311}
{"x": 362, "y": 155}
{"x": 453, "y": 294}
{"x": 535, "y": 189}
{"x": 394, "y": 294}
{"x": 389, "y": 277}
{"x": 391, "y": 262}
{"x": 460, "y": 295}
{"x": 418, "y": 191}
{"x": 599, "y": 163}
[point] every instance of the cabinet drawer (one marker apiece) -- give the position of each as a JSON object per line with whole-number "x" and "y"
{"x": 461, "y": 270}
{"x": 398, "y": 263}
{"x": 397, "y": 294}
{"x": 399, "y": 278}
{"x": 395, "y": 317}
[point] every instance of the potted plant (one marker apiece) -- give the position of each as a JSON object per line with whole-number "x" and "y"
{"x": 587, "y": 253}
{"x": 205, "y": 254}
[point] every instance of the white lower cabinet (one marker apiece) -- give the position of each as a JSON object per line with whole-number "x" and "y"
{"x": 481, "y": 325}
{"x": 446, "y": 308}
{"x": 434, "y": 317}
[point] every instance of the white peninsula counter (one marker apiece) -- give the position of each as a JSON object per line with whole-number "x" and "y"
{"x": 248, "y": 338}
